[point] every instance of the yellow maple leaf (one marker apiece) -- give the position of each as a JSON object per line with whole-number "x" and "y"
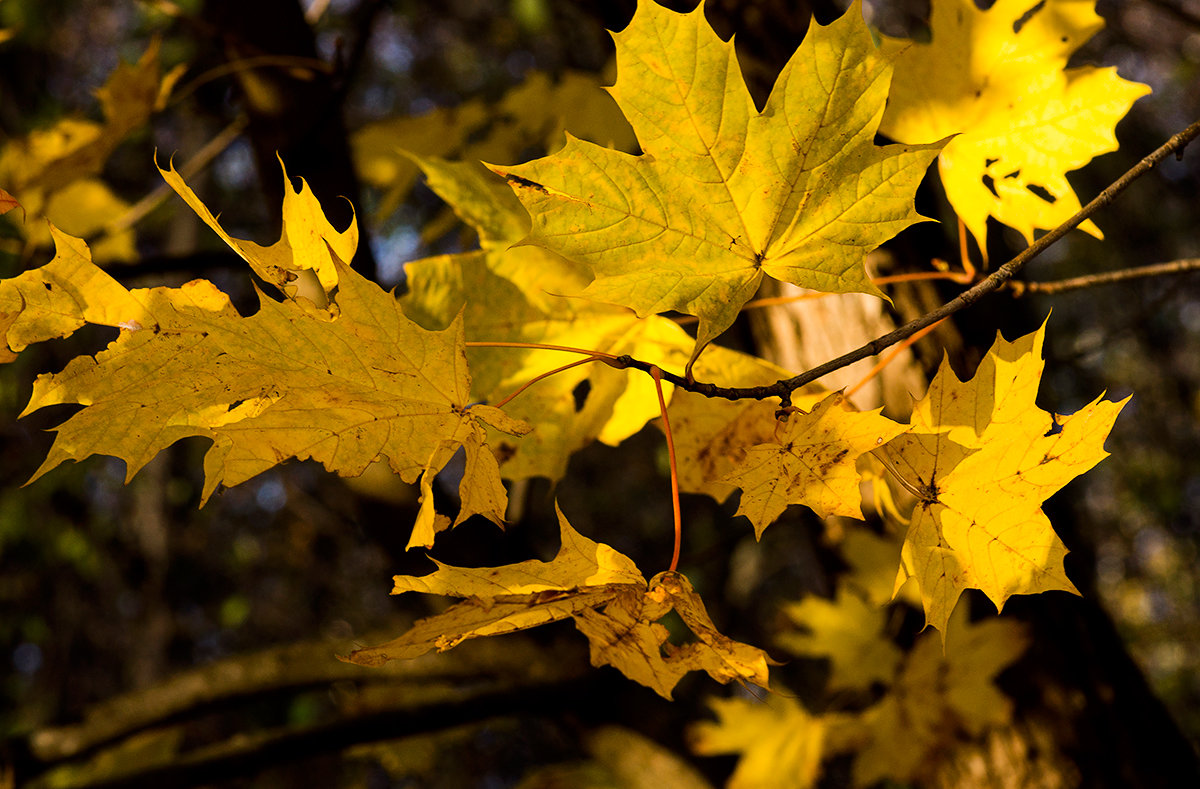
{"x": 52, "y": 170}
{"x": 606, "y": 595}
{"x": 780, "y": 743}
{"x": 724, "y": 195}
{"x": 848, "y": 630}
{"x": 938, "y": 697}
{"x": 712, "y": 436}
{"x": 307, "y": 242}
{"x": 998, "y": 77}
{"x": 344, "y": 385}
{"x": 57, "y": 299}
{"x": 981, "y": 458}
{"x": 810, "y": 462}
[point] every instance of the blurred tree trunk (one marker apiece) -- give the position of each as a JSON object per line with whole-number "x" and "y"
{"x": 1085, "y": 715}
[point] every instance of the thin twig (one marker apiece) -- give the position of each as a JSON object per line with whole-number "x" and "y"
{"x": 211, "y": 150}
{"x": 1058, "y": 286}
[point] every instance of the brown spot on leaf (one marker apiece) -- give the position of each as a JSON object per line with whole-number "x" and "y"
{"x": 504, "y": 452}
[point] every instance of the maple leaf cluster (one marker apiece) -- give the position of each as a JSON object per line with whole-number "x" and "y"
{"x": 582, "y": 251}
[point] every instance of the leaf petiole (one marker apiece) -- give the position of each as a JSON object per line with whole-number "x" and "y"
{"x": 547, "y": 374}
{"x": 890, "y": 357}
{"x": 656, "y": 374}
{"x": 904, "y": 483}
{"x": 537, "y": 346}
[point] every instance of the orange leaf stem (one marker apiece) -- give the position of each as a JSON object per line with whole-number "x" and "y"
{"x": 964, "y": 277}
{"x": 915, "y": 276}
{"x": 892, "y": 354}
{"x": 535, "y": 379}
{"x": 537, "y": 346}
{"x": 656, "y": 374}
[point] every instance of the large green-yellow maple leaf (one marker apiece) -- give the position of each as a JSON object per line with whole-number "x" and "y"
{"x": 345, "y": 385}
{"x": 513, "y": 295}
{"x": 606, "y": 595}
{"x": 981, "y": 458}
{"x": 998, "y": 79}
{"x": 722, "y": 194}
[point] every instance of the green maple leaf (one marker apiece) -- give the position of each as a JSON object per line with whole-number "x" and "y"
{"x": 724, "y": 195}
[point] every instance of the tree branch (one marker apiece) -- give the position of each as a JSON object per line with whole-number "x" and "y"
{"x": 1108, "y": 277}
{"x": 479, "y": 680}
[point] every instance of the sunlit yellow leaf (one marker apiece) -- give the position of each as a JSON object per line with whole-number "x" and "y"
{"x": 724, "y": 659}
{"x": 606, "y": 595}
{"x": 580, "y": 562}
{"x": 998, "y": 79}
{"x": 780, "y": 744}
{"x": 58, "y": 298}
{"x": 810, "y": 461}
{"x": 345, "y": 385}
{"x": 848, "y": 630}
{"x": 724, "y": 195}
{"x": 308, "y": 241}
{"x": 978, "y": 523}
